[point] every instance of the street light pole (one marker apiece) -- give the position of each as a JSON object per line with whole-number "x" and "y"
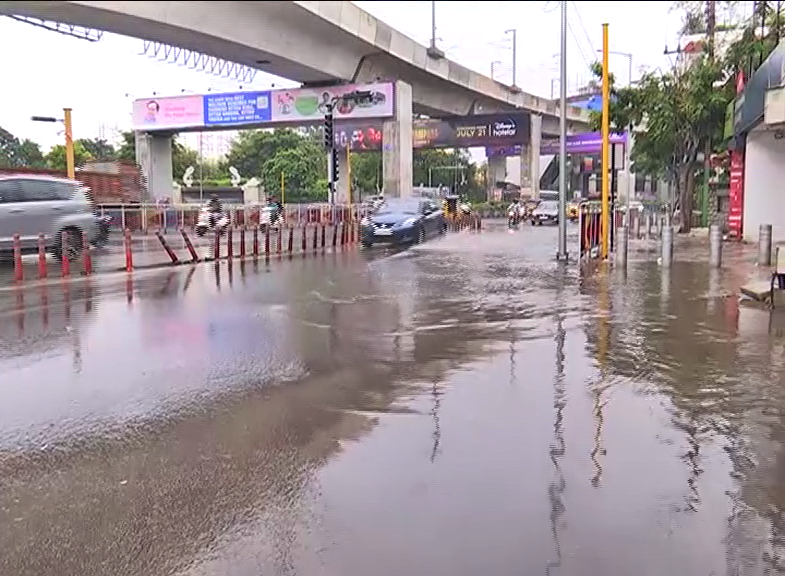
{"x": 514, "y": 33}
{"x": 562, "y": 253}
{"x": 69, "y": 139}
{"x": 69, "y": 144}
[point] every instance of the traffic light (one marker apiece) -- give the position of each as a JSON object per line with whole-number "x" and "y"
{"x": 334, "y": 162}
{"x": 329, "y": 133}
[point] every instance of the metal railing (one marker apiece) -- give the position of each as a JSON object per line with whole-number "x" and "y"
{"x": 147, "y": 217}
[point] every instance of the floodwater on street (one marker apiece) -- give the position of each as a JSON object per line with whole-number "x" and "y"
{"x": 469, "y": 406}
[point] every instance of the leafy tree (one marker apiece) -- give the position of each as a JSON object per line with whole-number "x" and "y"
{"x": 127, "y": 149}
{"x": 678, "y": 113}
{"x": 302, "y": 168}
{"x": 98, "y": 148}
{"x": 367, "y": 174}
{"x": 252, "y": 148}
{"x": 56, "y": 157}
{"x": 15, "y": 152}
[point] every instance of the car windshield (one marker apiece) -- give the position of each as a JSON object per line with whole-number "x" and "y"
{"x": 399, "y": 207}
{"x": 548, "y": 206}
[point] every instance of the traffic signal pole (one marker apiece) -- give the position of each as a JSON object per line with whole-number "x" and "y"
{"x": 332, "y": 157}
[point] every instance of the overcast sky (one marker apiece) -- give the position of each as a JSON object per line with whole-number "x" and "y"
{"x": 45, "y": 71}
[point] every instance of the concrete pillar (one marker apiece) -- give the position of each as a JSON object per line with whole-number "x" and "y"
{"x": 497, "y": 172}
{"x": 154, "y": 156}
{"x": 529, "y": 160}
{"x": 342, "y": 185}
{"x": 397, "y": 140}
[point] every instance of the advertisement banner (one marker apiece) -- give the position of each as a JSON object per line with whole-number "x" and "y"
{"x": 236, "y": 108}
{"x": 586, "y": 143}
{"x": 167, "y": 113}
{"x": 468, "y": 131}
{"x": 736, "y": 195}
{"x": 358, "y": 136}
{"x": 309, "y": 104}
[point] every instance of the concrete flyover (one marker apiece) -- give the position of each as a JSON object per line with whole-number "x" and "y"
{"x": 322, "y": 43}
{"x": 313, "y": 42}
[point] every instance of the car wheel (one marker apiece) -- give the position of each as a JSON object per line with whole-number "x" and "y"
{"x": 74, "y": 245}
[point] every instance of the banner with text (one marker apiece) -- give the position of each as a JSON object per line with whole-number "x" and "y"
{"x": 168, "y": 113}
{"x": 237, "y": 108}
{"x": 309, "y": 104}
{"x": 459, "y": 132}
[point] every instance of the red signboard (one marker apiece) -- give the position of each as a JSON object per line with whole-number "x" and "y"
{"x": 736, "y": 198}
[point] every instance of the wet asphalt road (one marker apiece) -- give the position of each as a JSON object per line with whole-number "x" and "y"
{"x": 466, "y": 407}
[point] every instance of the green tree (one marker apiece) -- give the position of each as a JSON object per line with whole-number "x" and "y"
{"x": 302, "y": 168}
{"x": 678, "y": 114}
{"x": 126, "y": 151}
{"x": 15, "y": 152}
{"x": 98, "y": 148}
{"x": 56, "y": 157}
{"x": 367, "y": 175}
{"x": 253, "y": 148}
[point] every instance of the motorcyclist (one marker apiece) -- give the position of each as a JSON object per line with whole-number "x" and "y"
{"x": 214, "y": 204}
{"x": 215, "y": 208}
{"x": 277, "y": 209}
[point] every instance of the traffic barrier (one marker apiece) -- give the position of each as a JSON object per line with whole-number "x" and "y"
{"x": 217, "y": 246}
{"x": 279, "y": 243}
{"x": 229, "y": 244}
{"x": 129, "y": 256}
{"x": 169, "y": 252}
{"x": 255, "y": 242}
{"x": 324, "y": 236}
{"x": 19, "y": 273}
{"x": 42, "y": 272}
{"x": 87, "y": 256}
{"x": 315, "y": 245}
{"x": 190, "y": 246}
{"x": 242, "y": 242}
{"x": 291, "y": 241}
{"x": 304, "y": 243}
{"x": 590, "y": 231}
{"x": 64, "y": 247}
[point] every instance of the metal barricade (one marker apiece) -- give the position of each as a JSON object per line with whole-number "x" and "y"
{"x": 590, "y": 222}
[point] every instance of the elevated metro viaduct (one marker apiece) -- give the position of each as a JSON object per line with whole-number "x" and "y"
{"x": 319, "y": 43}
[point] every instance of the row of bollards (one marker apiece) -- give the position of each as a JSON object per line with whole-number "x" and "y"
{"x": 715, "y": 245}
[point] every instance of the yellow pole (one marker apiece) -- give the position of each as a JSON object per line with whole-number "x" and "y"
{"x": 283, "y": 189}
{"x": 69, "y": 144}
{"x": 605, "y": 162}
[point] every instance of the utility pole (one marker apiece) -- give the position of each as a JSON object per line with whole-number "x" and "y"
{"x": 711, "y": 26}
{"x": 514, "y": 33}
{"x": 562, "y": 252}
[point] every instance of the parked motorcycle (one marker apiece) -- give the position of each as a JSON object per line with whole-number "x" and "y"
{"x": 208, "y": 220}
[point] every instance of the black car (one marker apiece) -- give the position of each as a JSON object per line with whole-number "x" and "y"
{"x": 547, "y": 212}
{"x": 402, "y": 221}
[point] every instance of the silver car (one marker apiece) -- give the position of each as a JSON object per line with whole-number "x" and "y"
{"x": 31, "y": 205}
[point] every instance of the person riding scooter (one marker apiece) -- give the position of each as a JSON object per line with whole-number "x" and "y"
{"x": 514, "y": 212}
{"x": 277, "y": 209}
{"x": 214, "y": 207}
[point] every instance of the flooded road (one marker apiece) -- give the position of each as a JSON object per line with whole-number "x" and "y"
{"x": 465, "y": 407}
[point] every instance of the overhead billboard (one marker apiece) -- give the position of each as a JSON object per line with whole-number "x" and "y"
{"x": 468, "y": 131}
{"x": 168, "y": 113}
{"x": 237, "y": 108}
{"x": 584, "y": 143}
{"x": 309, "y": 104}
{"x": 459, "y": 132}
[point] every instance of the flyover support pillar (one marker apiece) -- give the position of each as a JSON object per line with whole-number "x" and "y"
{"x": 397, "y": 139}
{"x": 530, "y": 159}
{"x": 497, "y": 172}
{"x": 154, "y": 156}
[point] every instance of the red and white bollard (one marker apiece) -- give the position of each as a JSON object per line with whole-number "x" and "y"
{"x": 41, "y": 256}
{"x": 129, "y": 256}
{"x": 19, "y": 274}
{"x": 87, "y": 257}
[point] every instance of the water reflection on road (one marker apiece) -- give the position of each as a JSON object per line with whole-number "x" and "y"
{"x": 469, "y": 406}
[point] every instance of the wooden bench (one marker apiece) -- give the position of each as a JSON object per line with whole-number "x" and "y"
{"x": 778, "y": 274}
